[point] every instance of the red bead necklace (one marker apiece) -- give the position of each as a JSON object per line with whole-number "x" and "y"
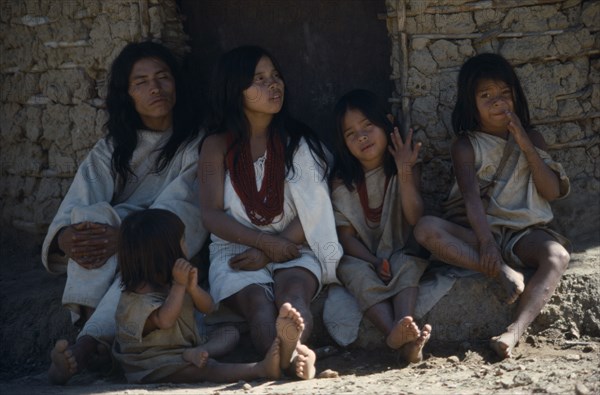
{"x": 263, "y": 205}
{"x": 372, "y": 214}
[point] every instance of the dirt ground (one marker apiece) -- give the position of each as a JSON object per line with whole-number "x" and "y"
{"x": 550, "y": 360}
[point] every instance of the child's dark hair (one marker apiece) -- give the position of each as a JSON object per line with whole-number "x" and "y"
{"x": 491, "y": 66}
{"x": 149, "y": 244}
{"x": 233, "y": 75}
{"x": 345, "y": 166}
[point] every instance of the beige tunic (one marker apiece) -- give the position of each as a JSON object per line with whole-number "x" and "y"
{"x": 157, "y": 355}
{"x": 385, "y": 240}
{"x": 515, "y": 205}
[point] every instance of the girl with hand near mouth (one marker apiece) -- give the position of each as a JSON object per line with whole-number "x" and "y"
{"x": 496, "y": 143}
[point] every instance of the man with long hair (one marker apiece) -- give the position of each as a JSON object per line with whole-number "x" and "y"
{"x": 147, "y": 160}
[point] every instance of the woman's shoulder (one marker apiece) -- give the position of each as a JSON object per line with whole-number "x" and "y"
{"x": 214, "y": 144}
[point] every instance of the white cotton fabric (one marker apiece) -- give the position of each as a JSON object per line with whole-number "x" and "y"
{"x": 306, "y": 195}
{"x": 92, "y": 197}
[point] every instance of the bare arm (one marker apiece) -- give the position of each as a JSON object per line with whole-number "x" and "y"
{"x": 166, "y": 315}
{"x": 211, "y": 175}
{"x": 409, "y": 176}
{"x": 202, "y": 300}
{"x": 545, "y": 179}
{"x": 463, "y": 159}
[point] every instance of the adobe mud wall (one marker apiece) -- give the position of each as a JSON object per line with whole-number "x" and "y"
{"x": 54, "y": 57}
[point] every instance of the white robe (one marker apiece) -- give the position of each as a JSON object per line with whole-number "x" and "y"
{"x": 91, "y": 197}
{"x": 306, "y": 196}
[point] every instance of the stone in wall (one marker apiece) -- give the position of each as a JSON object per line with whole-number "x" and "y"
{"x": 418, "y": 84}
{"x": 84, "y": 130}
{"x": 11, "y": 131}
{"x": 19, "y": 87}
{"x": 57, "y": 126}
{"x": 523, "y": 49}
{"x": 445, "y": 53}
{"x": 23, "y": 160}
{"x": 423, "y": 63}
{"x": 67, "y": 86}
{"x": 534, "y": 18}
{"x": 590, "y": 14}
{"x": 572, "y": 43}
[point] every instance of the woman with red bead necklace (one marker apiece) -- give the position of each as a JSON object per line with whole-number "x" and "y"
{"x": 264, "y": 198}
{"x": 376, "y": 198}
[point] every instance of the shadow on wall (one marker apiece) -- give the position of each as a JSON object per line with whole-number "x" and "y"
{"x": 323, "y": 50}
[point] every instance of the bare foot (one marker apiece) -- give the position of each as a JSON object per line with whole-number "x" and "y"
{"x": 269, "y": 367}
{"x": 198, "y": 356}
{"x": 413, "y": 351}
{"x": 289, "y": 325}
{"x": 305, "y": 362}
{"x": 405, "y": 331}
{"x": 512, "y": 281}
{"x": 64, "y": 364}
{"x": 504, "y": 344}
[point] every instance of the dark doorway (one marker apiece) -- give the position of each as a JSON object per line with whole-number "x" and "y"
{"x": 325, "y": 47}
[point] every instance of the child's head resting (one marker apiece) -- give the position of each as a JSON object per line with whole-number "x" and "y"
{"x": 347, "y": 167}
{"x": 150, "y": 241}
{"x": 487, "y": 66}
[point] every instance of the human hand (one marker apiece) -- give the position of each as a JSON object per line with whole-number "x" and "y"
{"x": 181, "y": 272}
{"x": 89, "y": 244}
{"x": 383, "y": 270}
{"x": 514, "y": 125}
{"x": 279, "y": 249}
{"x": 405, "y": 155}
{"x": 192, "y": 282}
{"x": 490, "y": 258}
{"x": 251, "y": 259}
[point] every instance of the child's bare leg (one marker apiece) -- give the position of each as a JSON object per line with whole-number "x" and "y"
{"x": 537, "y": 249}
{"x": 252, "y": 303}
{"x": 221, "y": 341}
{"x": 413, "y": 351}
{"x": 382, "y": 316}
{"x": 305, "y": 362}
{"x": 289, "y": 325}
{"x": 453, "y": 244}
{"x": 217, "y": 372}
{"x": 68, "y": 360}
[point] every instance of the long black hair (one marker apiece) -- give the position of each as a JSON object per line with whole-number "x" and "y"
{"x": 345, "y": 166}
{"x": 149, "y": 244}
{"x": 490, "y": 66}
{"x": 233, "y": 75}
{"x": 124, "y": 121}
